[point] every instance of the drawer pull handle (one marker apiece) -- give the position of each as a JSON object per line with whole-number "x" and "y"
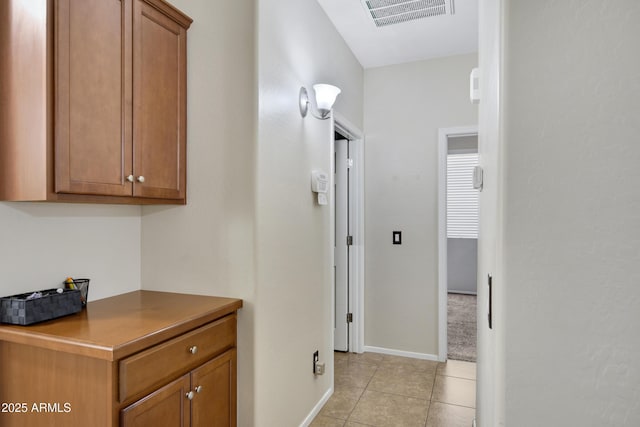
{"x": 130, "y": 178}
{"x": 193, "y": 350}
{"x": 198, "y": 389}
{"x": 190, "y": 395}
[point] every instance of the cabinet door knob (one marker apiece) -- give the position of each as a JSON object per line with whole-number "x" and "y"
{"x": 190, "y": 395}
{"x": 193, "y": 350}
{"x": 198, "y": 389}
{"x": 130, "y": 178}
{"x": 141, "y": 178}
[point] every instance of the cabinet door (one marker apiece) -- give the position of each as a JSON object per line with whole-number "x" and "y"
{"x": 159, "y": 96}
{"x": 93, "y": 133}
{"x": 214, "y": 405}
{"x": 167, "y": 406}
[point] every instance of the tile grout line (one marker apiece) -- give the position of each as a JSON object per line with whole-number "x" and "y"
{"x": 455, "y": 404}
{"x": 361, "y": 394}
{"x": 433, "y": 386}
{"x": 364, "y": 391}
{"x": 460, "y": 378}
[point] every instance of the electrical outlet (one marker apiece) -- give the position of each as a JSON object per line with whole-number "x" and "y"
{"x": 318, "y": 368}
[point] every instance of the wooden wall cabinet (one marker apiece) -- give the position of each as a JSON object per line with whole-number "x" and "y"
{"x": 139, "y": 359}
{"x": 96, "y": 101}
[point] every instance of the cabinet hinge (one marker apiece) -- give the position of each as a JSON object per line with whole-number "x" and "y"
{"x": 349, "y": 240}
{"x": 349, "y": 317}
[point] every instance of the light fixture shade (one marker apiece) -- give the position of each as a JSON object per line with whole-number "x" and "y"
{"x": 325, "y": 97}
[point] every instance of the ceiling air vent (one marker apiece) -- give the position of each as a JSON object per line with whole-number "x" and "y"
{"x": 388, "y": 12}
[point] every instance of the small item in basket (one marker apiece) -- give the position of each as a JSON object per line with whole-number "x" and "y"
{"x": 35, "y": 295}
{"x": 69, "y": 283}
{"x": 80, "y": 284}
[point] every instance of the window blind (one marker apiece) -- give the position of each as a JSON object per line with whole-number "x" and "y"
{"x": 462, "y": 198}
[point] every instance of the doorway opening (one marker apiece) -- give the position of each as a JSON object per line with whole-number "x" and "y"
{"x": 458, "y": 244}
{"x": 348, "y": 237}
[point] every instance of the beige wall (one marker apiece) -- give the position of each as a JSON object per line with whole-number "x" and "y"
{"x": 42, "y": 243}
{"x": 207, "y": 246}
{"x": 297, "y": 46}
{"x": 404, "y": 107}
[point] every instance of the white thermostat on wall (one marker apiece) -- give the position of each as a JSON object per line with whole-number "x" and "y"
{"x": 320, "y": 185}
{"x": 319, "y": 181}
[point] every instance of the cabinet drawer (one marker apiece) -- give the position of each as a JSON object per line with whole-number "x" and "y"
{"x": 150, "y": 369}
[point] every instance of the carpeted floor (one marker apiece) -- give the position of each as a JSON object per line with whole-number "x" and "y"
{"x": 461, "y": 327}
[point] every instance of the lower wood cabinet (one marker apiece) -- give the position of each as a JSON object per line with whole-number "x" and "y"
{"x": 165, "y": 407}
{"x": 203, "y": 397}
{"x": 214, "y": 403}
{"x": 139, "y": 359}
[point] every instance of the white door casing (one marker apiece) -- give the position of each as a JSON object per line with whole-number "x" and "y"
{"x": 341, "y": 251}
{"x": 356, "y": 213}
{"x": 490, "y": 371}
{"x": 443, "y": 136}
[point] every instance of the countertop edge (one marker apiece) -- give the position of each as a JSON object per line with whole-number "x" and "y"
{"x": 27, "y": 336}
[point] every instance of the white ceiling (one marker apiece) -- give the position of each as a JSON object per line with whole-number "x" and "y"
{"x": 423, "y": 38}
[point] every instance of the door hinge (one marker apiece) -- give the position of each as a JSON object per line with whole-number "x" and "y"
{"x": 349, "y": 317}
{"x": 349, "y": 240}
{"x": 349, "y": 163}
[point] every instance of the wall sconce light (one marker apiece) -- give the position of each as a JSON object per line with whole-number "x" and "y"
{"x": 325, "y": 98}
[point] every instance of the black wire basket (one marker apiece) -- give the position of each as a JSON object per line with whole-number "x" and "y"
{"x": 83, "y": 286}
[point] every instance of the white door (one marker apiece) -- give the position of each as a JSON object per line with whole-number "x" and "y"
{"x": 341, "y": 252}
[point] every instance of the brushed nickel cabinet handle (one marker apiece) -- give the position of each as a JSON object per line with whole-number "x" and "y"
{"x": 189, "y": 395}
{"x": 130, "y": 178}
{"x": 141, "y": 178}
{"x": 193, "y": 350}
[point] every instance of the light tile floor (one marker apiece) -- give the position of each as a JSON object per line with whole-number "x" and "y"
{"x": 390, "y": 391}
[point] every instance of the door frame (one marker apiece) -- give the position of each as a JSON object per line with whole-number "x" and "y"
{"x": 443, "y": 145}
{"x": 340, "y": 124}
{"x": 342, "y": 252}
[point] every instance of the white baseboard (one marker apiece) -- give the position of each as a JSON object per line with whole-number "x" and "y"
{"x": 316, "y": 409}
{"x": 392, "y": 352}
